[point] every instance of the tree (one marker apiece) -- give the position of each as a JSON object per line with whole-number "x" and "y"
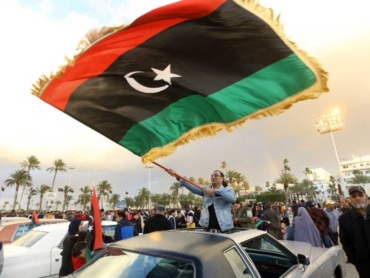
{"x": 129, "y": 201}
{"x": 31, "y": 163}
{"x": 240, "y": 183}
{"x": 17, "y": 178}
{"x": 66, "y": 189}
{"x": 114, "y": 200}
{"x": 271, "y": 197}
{"x": 267, "y": 184}
{"x": 175, "y": 192}
{"x": 57, "y": 204}
{"x": 143, "y": 197}
{"x": 307, "y": 171}
{"x": 201, "y": 181}
{"x": 286, "y": 177}
{"x": 31, "y": 192}
{"x": 58, "y": 166}
{"x": 68, "y": 199}
{"x": 155, "y": 199}
{"x": 85, "y": 196}
{"x": 230, "y": 177}
{"x": 104, "y": 187}
{"x": 333, "y": 188}
{"x": 42, "y": 190}
{"x": 273, "y": 189}
{"x": 223, "y": 166}
{"x": 5, "y": 204}
{"x": 258, "y": 189}
{"x": 359, "y": 178}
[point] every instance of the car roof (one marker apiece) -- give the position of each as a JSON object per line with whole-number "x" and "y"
{"x": 48, "y": 228}
{"x": 27, "y": 221}
{"x": 197, "y": 245}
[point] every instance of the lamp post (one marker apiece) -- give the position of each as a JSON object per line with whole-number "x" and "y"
{"x": 149, "y": 166}
{"x": 329, "y": 123}
{"x": 70, "y": 175}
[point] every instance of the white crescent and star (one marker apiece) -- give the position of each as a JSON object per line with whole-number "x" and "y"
{"x": 164, "y": 75}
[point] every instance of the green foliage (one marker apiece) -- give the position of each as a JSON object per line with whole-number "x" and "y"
{"x": 271, "y": 197}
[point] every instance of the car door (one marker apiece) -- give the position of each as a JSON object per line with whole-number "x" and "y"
{"x": 56, "y": 258}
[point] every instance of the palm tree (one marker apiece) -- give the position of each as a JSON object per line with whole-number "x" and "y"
{"x": 359, "y": 178}
{"x": 115, "y": 199}
{"x": 144, "y": 195}
{"x": 175, "y": 192}
{"x": 286, "y": 167}
{"x": 5, "y": 204}
{"x": 155, "y": 199}
{"x": 201, "y": 181}
{"x": 32, "y": 192}
{"x": 258, "y": 189}
{"x": 103, "y": 188}
{"x": 129, "y": 201}
{"x": 286, "y": 179}
{"x": 31, "y": 163}
{"x": 17, "y": 178}
{"x": 240, "y": 183}
{"x": 58, "y": 165}
{"x": 230, "y": 176}
{"x": 68, "y": 199}
{"x": 267, "y": 184}
{"x": 85, "y": 196}
{"x": 66, "y": 189}
{"x": 57, "y": 204}
{"x": 42, "y": 190}
{"x": 223, "y": 166}
{"x": 307, "y": 171}
{"x": 273, "y": 189}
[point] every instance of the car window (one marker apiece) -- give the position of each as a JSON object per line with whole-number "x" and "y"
{"x": 261, "y": 244}
{"x": 29, "y": 239}
{"x": 116, "y": 263}
{"x": 237, "y": 263}
{"x": 109, "y": 230}
{"x": 22, "y": 230}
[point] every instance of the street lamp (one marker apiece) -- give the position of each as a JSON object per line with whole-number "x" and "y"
{"x": 328, "y": 123}
{"x": 149, "y": 166}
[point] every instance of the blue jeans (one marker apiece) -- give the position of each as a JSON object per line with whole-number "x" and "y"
{"x": 326, "y": 241}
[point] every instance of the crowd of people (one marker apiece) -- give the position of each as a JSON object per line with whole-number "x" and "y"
{"x": 314, "y": 223}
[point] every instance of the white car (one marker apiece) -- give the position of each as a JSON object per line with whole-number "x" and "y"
{"x": 37, "y": 253}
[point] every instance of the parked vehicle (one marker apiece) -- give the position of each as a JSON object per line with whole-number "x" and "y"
{"x": 195, "y": 253}
{"x": 38, "y": 253}
{"x": 14, "y": 229}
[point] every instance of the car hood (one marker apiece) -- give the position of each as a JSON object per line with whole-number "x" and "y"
{"x": 13, "y": 250}
{"x": 303, "y": 248}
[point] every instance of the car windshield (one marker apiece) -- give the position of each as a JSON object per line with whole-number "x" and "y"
{"x": 29, "y": 239}
{"x": 116, "y": 263}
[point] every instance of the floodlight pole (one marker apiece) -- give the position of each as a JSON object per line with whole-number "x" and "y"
{"x": 336, "y": 153}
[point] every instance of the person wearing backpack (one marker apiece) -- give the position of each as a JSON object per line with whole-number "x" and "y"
{"x": 124, "y": 229}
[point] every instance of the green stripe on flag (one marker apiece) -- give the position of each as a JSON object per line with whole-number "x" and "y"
{"x": 284, "y": 79}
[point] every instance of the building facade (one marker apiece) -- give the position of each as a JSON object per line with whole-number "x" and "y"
{"x": 360, "y": 163}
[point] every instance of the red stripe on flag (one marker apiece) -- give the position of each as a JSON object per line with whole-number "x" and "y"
{"x": 98, "y": 241}
{"x": 101, "y": 55}
{"x": 35, "y": 218}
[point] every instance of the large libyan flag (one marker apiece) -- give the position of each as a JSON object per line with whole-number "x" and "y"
{"x": 182, "y": 71}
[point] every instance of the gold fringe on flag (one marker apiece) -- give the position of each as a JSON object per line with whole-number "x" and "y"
{"x": 210, "y": 129}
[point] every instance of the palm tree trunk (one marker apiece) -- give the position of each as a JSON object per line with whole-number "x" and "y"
{"x": 41, "y": 196}
{"x": 28, "y": 204}
{"x": 15, "y": 197}
{"x": 55, "y": 175}
{"x": 24, "y": 187}
{"x": 64, "y": 202}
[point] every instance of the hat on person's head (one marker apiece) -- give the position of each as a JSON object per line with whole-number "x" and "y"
{"x": 125, "y": 209}
{"x": 356, "y": 188}
{"x": 329, "y": 202}
{"x": 161, "y": 208}
{"x": 309, "y": 204}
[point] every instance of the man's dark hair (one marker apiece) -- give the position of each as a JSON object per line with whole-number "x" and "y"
{"x": 294, "y": 202}
{"x": 172, "y": 211}
{"x": 121, "y": 213}
{"x": 302, "y": 201}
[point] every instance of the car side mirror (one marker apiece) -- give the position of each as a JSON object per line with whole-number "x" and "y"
{"x": 303, "y": 259}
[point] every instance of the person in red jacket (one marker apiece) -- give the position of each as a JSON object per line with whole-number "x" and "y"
{"x": 79, "y": 254}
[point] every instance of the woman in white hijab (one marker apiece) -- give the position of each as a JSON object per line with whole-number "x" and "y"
{"x": 305, "y": 230}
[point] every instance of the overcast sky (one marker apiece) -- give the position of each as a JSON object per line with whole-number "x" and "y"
{"x": 36, "y": 35}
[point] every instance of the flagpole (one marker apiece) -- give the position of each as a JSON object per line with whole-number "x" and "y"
{"x": 178, "y": 176}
